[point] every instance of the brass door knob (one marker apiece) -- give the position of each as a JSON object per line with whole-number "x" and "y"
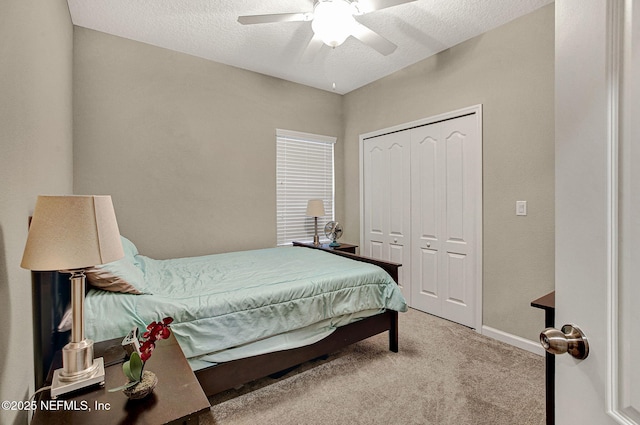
{"x": 569, "y": 339}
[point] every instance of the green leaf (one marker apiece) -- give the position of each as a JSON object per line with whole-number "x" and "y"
{"x": 133, "y": 368}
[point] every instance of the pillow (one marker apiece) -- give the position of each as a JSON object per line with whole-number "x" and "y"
{"x": 121, "y": 275}
{"x": 130, "y": 250}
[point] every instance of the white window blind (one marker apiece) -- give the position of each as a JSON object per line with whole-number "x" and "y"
{"x": 304, "y": 171}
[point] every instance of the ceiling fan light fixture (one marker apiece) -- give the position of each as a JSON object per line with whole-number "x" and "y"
{"x": 333, "y": 21}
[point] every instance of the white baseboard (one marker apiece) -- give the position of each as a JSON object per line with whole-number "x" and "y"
{"x": 516, "y": 341}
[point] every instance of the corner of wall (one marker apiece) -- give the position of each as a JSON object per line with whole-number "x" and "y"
{"x": 36, "y": 140}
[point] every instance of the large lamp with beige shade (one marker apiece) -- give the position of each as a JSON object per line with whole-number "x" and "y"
{"x": 70, "y": 234}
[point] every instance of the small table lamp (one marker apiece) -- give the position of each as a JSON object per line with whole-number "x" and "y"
{"x": 315, "y": 209}
{"x": 69, "y": 234}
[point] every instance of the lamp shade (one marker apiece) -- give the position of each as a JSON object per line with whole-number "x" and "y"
{"x": 315, "y": 208}
{"x": 72, "y": 232}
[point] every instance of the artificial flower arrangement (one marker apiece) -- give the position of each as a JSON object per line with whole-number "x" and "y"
{"x": 134, "y": 367}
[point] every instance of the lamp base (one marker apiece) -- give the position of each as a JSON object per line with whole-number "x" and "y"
{"x": 60, "y": 386}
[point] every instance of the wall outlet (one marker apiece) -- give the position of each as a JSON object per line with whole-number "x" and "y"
{"x": 521, "y": 207}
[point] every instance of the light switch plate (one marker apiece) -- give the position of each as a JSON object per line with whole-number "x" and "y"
{"x": 521, "y": 207}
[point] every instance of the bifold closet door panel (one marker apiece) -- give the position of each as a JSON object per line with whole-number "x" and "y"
{"x": 387, "y": 191}
{"x": 443, "y": 202}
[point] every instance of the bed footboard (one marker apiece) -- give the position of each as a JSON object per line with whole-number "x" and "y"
{"x": 224, "y": 376}
{"x": 387, "y": 266}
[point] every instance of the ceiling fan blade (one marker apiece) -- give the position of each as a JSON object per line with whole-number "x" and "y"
{"x": 277, "y": 17}
{"x": 373, "y": 39}
{"x": 366, "y": 6}
{"x": 312, "y": 49}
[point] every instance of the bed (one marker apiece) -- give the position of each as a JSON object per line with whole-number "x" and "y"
{"x": 307, "y": 302}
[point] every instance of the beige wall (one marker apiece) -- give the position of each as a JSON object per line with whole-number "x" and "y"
{"x": 510, "y": 71}
{"x": 35, "y": 155}
{"x": 186, "y": 146}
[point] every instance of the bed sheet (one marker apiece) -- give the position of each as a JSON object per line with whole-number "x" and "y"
{"x": 273, "y": 297}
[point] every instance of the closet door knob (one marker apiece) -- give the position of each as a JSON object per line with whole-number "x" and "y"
{"x": 395, "y": 240}
{"x": 428, "y": 244}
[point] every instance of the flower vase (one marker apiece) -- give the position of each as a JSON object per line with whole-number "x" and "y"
{"x": 143, "y": 388}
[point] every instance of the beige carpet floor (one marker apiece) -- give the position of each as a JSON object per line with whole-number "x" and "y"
{"x": 444, "y": 373}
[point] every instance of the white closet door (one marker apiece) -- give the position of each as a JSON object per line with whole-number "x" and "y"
{"x": 444, "y": 201}
{"x": 387, "y": 220}
{"x": 427, "y": 194}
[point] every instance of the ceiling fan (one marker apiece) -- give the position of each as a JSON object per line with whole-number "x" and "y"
{"x": 333, "y": 21}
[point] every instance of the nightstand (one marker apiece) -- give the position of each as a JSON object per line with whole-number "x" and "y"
{"x": 177, "y": 399}
{"x": 344, "y": 247}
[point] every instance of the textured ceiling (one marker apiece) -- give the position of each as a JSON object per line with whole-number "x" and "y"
{"x": 209, "y": 29}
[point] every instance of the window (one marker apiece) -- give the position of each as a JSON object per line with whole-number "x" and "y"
{"x": 304, "y": 171}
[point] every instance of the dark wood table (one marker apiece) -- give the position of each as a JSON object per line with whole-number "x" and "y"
{"x": 344, "y": 247}
{"x": 177, "y": 399}
{"x": 548, "y": 304}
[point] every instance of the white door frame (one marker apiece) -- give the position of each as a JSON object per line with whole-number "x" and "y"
{"x": 475, "y": 109}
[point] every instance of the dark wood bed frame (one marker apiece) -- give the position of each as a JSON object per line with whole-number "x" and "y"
{"x": 51, "y": 296}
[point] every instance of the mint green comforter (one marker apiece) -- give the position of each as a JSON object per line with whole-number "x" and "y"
{"x": 234, "y": 299}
